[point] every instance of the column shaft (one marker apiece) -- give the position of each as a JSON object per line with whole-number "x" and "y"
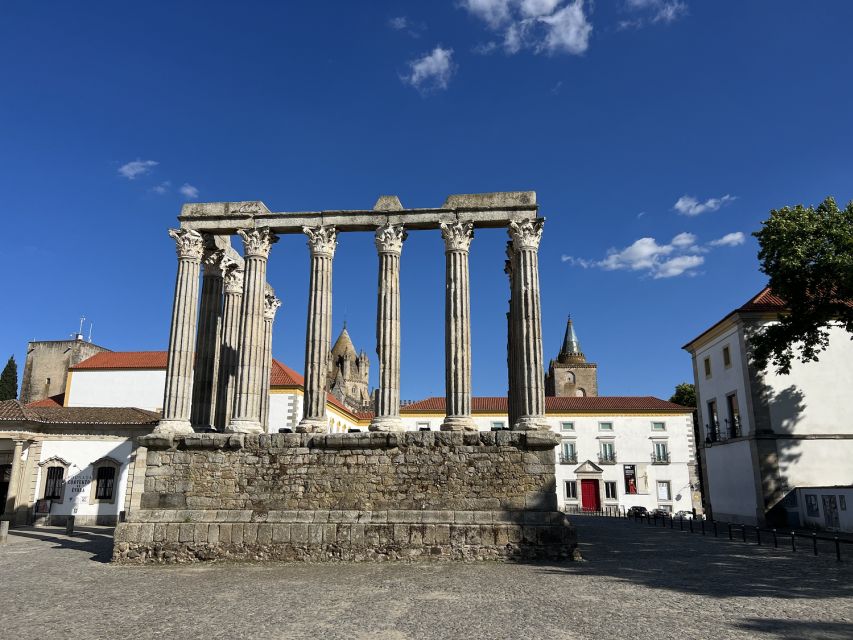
{"x": 527, "y": 328}
{"x": 246, "y": 416}
{"x": 208, "y": 341}
{"x": 228, "y": 350}
{"x": 177, "y": 398}
{"x": 318, "y": 334}
{"x": 457, "y": 332}
{"x": 271, "y": 305}
{"x": 10, "y": 507}
{"x": 389, "y": 243}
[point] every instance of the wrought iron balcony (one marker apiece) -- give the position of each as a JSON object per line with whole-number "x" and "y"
{"x": 607, "y": 458}
{"x": 660, "y": 458}
{"x": 568, "y": 459}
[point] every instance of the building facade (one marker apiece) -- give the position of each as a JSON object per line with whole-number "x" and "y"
{"x": 764, "y": 435}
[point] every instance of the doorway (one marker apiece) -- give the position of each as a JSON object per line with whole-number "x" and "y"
{"x": 5, "y": 480}
{"x": 590, "y": 497}
{"x": 830, "y": 512}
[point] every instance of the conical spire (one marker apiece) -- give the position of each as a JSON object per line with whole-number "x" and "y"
{"x": 571, "y": 349}
{"x": 343, "y": 346}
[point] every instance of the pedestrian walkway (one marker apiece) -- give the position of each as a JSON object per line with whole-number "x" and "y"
{"x": 637, "y": 581}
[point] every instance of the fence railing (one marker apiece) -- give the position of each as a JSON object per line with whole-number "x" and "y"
{"x": 747, "y": 534}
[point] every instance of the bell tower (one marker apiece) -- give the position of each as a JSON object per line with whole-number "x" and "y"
{"x": 570, "y": 374}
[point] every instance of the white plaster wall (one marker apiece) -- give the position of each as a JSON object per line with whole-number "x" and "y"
{"x": 815, "y": 463}
{"x": 723, "y": 381}
{"x": 81, "y": 454}
{"x": 731, "y": 481}
{"x": 140, "y": 388}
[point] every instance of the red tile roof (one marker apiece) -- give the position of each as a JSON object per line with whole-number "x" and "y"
{"x": 124, "y": 360}
{"x": 14, "y": 411}
{"x": 498, "y": 404}
{"x": 53, "y": 401}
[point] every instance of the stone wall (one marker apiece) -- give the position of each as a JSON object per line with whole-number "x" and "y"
{"x": 352, "y": 496}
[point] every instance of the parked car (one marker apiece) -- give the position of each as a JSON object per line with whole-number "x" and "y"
{"x": 688, "y": 515}
{"x": 634, "y": 512}
{"x": 660, "y": 513}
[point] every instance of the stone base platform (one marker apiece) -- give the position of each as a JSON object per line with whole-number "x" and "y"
{"x": 361, "y": 496}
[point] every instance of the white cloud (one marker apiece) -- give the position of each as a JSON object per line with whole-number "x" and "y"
{"x": 161, "y": 188}
{"x": 690, "y": 206}
{"x": 678, "y": 257}
{"x": 653, "y": 12}
{"x": 188, "y": 191}
{"x": 549, "y": 26}
{"x": 485, "y": 48}
{"x": 399, "y": 23}
{"x": 729, "y": 240}
{"x": 136, "y": 168}
{"x": 431, "y": 71}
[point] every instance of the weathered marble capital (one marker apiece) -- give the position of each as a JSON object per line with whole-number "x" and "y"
{"x": 321, "y": 240}
{"x": 232, "y": 275}
{"x": 457, "y": 235}
{"x": 257, "y": 242}
{"x": 390, "y": 237}
{"x": 189, "y": 244}
{"x": 271, "y": 305}
{"x": 212, "y": 260}
{"x": 526, "y": 234}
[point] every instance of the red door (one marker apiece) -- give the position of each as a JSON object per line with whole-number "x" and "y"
{"x": 590, "y": 500}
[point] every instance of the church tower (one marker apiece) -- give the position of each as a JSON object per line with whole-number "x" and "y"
{"x": 348, "y": 372}
{"x": 570, "y": 374}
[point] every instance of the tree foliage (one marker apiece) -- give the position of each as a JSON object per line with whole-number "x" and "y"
{"x": 685, "y": 395}
{"x": 808, "y": 255}
{"x": 9, "y": 380}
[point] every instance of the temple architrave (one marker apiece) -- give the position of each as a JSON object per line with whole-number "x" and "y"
{"x": 382, "y": 494}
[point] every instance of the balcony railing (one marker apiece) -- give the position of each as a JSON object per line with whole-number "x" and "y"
{"x": 733, "y": 427}
{"x": 712, "y": 432}
{"x": 566, "y": 458}
{"x": 660, "y": 457}
{"x": 607, "y": 457}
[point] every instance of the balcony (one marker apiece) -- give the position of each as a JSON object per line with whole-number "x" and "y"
{"x": 733, "y": 427}
{"x": 712, "y": 432}
{"x": 605, "y": 457}
{"x": 568, "y": 458}
{"x": 660, "y": 457}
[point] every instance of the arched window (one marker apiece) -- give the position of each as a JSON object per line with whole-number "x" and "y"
{"x": 105, "y": 475}
{"x": 580, "y": 392}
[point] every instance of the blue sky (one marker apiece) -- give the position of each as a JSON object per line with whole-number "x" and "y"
{"x": 655, "y": 133}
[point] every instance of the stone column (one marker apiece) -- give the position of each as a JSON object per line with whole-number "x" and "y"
{"x": 389, "y": 244}
{"x": 457, "y": 326}
{"x": 271, "y": 305}
{"x": 177, "y": 398}
{"x": 207, "y": 342}
{"x": 232, "y": 275}
{"x": 14, "y": 484}
{"x": 318, "y": 335}
{"x": 527, "y": 327}
{"x": 512, "y": 391}
{"x": 246, "y": 416}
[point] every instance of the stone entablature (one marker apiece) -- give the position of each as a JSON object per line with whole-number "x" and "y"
{"x": 379, "y": 495}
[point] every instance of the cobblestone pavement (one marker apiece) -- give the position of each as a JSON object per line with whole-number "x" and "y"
{"x": 637, "y": 581}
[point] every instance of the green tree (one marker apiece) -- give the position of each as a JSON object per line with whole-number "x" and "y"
{"x": 685, "y": 395}
{"x": 808, "y": 255}
{"x": 9, "y": 380}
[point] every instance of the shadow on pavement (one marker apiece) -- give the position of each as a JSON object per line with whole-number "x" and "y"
{"x": 796, "y": 630}
{"x": 98, "y": 542}
{"x": 717, "y": 568}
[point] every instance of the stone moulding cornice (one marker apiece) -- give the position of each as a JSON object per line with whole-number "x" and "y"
{"x": 390, "y": 237}
{"x": 322, "y": 240}
{"x": 526, "y": 235}
{"x": 457, "y": 235}
{"x": 61, "y": 461}
{"x": 189, "y": 244}
{"x": 257, "y": 242}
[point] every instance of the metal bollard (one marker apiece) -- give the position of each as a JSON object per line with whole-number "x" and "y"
{"x": 743, "y": 529}
{"x": 703, "y": 527}
{"x": 758, "y": 536}
{"x": 794, "y": 542}
{"x": 4, "y": 532}
{"x": 715, "y": 527}
{"x": 730, "y": 532}
{"x": 691, "y": 525}
{"x": 814, "y": 542}
{"x": 69, "y": 526}
{"x": 775, "y": 541}
{"x": 837, "y": 549}
{"x": 681, "y": 523}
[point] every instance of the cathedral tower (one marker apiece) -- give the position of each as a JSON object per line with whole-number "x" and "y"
{"x": 570, "y": 374}
{"x": 347, "y": 376}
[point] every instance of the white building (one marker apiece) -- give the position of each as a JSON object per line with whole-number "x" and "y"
{"x": 764, "y": 434}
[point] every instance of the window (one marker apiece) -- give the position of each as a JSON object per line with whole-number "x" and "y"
{"x": 610, "y": 490}
{"x": 567, "y": 426}
{"x": 607, "y": 452}
{"x": 568, "y": 454}
{"x": 498, "y": 425}
{"x": 53, "y": 483}
{"x": 734, "y": 416}
{"x": 842, "y": 503}
{"x": 658, "y": 426}
{"x": 707, "y": 367}
{"x": 713, "y": 427}
{"x": 727, "y": 357}
{"x": 660, "y": 454}
{"x": 663, "y": 490}
{"x": 571, "y": 489}
{"x": 605, "y": 426}
{"x": 105, "y": 480}
{"x": 811, "y": 505}
{"x": 423, "y": 426}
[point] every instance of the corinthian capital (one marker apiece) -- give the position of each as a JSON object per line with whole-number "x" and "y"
{"x": 212, "y": 260}
{"x": 271, "y": 305}
{"x": 390, "y": 237}
{"x": 457, "y": 235}
{"x": 232, "y": 275}
{"x": 526, "y": 234}
{"x": 188, "y": 243}
{"x": 322, "y": 240}
{"x": 257, "y": 242}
